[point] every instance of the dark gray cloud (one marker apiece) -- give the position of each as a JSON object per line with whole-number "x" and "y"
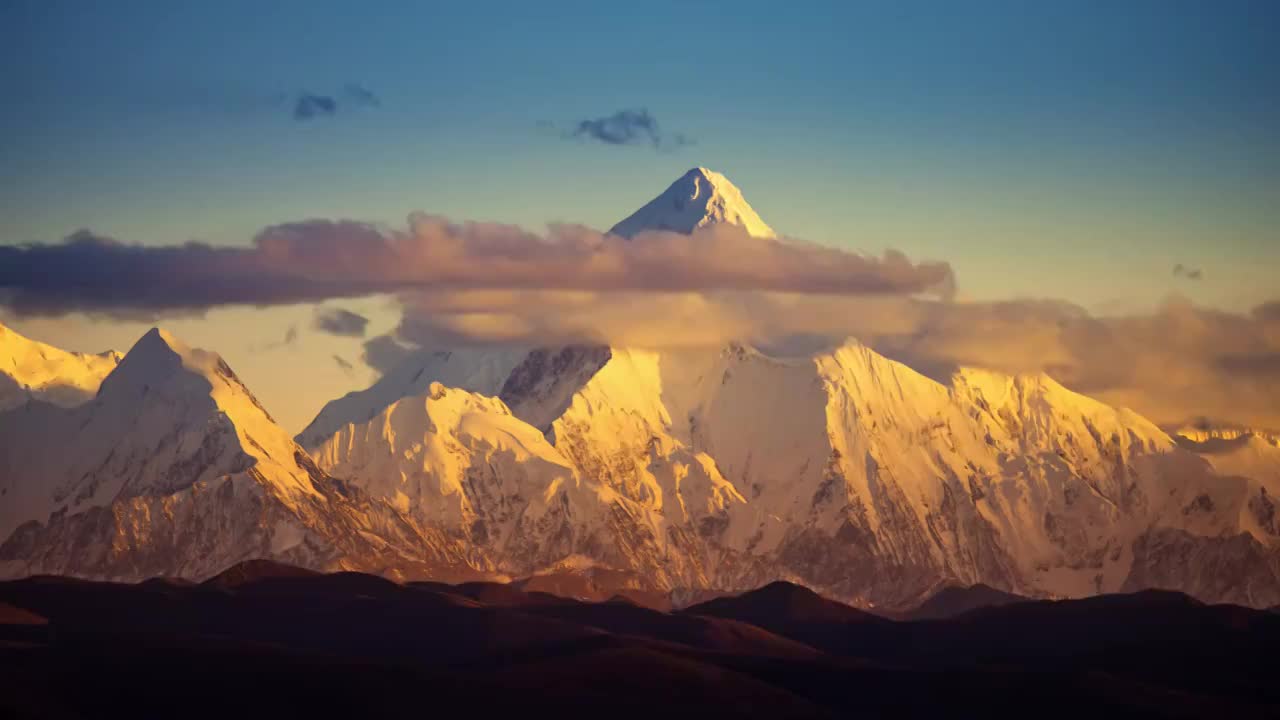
{"x": 1189, "y": 273}
{"x": 320, "y": 259}
{"x": 627, "y": 127}
{"x": 308, "y": 106}
{"x": 339, "y": 321}
{"x": 384, "y": 353}
{"x": 342, "y": 363}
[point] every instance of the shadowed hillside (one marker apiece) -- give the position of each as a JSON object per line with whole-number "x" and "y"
{"x": 301, "y": 643}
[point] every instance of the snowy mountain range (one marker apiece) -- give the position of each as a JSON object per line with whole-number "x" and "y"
{"x": 670, "y": 471}
{"x": 30, "y": 369}
{"x": 174, "y": 468}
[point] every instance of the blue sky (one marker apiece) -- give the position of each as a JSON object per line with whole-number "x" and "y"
{"x": 960, "y": 131}
{"x": 1074, "y": 150}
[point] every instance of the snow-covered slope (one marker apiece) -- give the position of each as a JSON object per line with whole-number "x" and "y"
{"x": 1250, "y": 455}
{"x": 452, "y": 459}
{"x": 857, "y": 468}
{"x": 462, "y": 464}
{"x": 30, "y": 369}
{"x": 175, "y": 468}
{"x": 478, "y": 370}
{"x": 699, "y": 198}
{"x": 844, "y": 470}
{"x": 537, "y": 384}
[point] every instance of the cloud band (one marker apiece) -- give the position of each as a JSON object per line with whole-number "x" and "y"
{"x": 320, "y": 259}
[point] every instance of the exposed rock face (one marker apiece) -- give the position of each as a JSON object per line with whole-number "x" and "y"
{"x": 541, "y": 387}
{"x": 1236, "y": 569}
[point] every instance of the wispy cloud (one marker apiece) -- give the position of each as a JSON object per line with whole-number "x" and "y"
{"x": 320, "y": 259}
{"x": 339, "y": 321}
{"x": 627, "y": 127}
{"x": 1190, "y": 273}
{"x": 289, "y": 340}
{"x": 308, "y": 105}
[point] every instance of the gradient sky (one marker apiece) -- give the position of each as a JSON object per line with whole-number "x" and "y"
{"x": 1074, "y": 150}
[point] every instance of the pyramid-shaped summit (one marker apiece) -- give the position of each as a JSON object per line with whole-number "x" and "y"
{"x": 699, "y": 198}
{"x": 175, "y": 469}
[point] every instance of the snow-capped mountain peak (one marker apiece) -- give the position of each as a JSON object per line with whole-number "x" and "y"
{"x": 698, "y": 198}
{"x": 476, "y": 370}
{"x": 160, "y": 357}
{"x": 156, "y": 356}
{"x": 174, "y": 468}
{"x": 31, "y": 369}
{"x": 446, "y": 456}
{"x": 160, "y": 363}
{"x": 169, "y": 417}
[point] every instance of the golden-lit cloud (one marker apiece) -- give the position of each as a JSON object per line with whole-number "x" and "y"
{"x": 1173, "y": 363}
{"x": 320, "y": 260}
{"x": 486, "y": 283}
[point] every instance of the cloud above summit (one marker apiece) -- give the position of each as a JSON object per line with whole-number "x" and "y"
{"x": 320, "y": 259}
{"x": 627, "y": 127}
{"x": 308, "y": 106}
{"x": 487, "y": 283}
